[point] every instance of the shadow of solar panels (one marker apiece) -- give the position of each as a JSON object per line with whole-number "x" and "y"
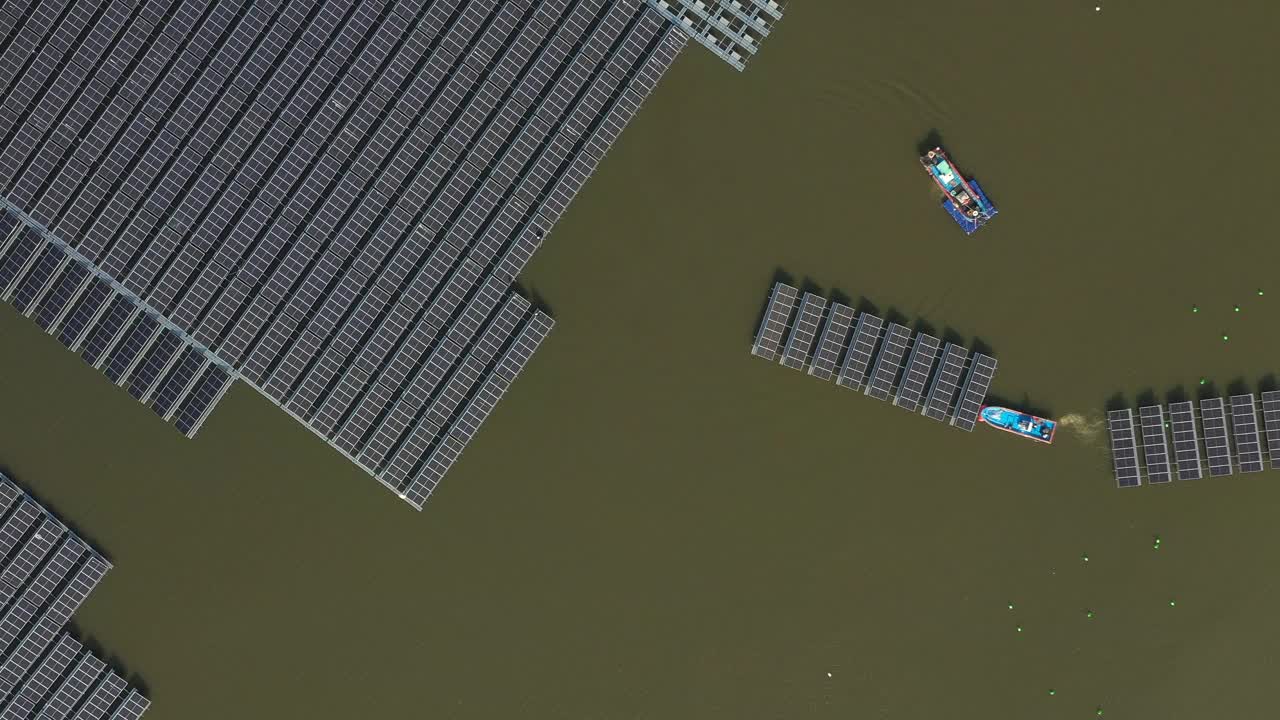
{"x": 861, "y": 352}
{"x": 1228, "y": 431}
{"x": 44, "y": 672}
{"x": 111, "y": 329}
{"x": 332, "y": 199}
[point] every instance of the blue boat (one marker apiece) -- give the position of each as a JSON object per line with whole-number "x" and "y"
{"x": 964, "y": 202}
{"x": 1018, "y": 423}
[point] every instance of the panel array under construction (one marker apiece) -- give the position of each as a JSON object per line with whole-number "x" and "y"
{"x": 1226, "y": 439}
{"x": 329, "y": 199}
{"x": 732, "y": 29}
{"x": 873, "y": 356}
{"x": 48, "y": 572}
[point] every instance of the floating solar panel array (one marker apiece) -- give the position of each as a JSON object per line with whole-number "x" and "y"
{"x": 1228, "y": 432}
{"x": 48, "y": 571}
{"x": 329, "y": 199}
{"x": 732, "y": 29}
{"x": 809, "y": 332}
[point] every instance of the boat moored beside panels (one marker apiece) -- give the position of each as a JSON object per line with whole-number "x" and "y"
{"x": 854, "y": 371}
{"x": 1124, "y": 451}
{"x": 1186, "y": 445}
{"x": 782, "y": 302}
{"x": 888, "y": 362}
{"x": 1154, "y": 447}
{"x": 945, "y": 383}
{"x": 799, "y": 348}
{"x": 834, "y": 334}
{"x": 1217, "y": 448}
{"x": 982, "y": 369}
{"x": 1244, "y": 426}
{"x": 919, "y": 365}
{"x": 1271, "y": 422}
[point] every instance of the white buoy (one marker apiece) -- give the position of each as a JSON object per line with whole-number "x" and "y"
{"x": 828, "y": 674}
{"x": 1097, "y": 8}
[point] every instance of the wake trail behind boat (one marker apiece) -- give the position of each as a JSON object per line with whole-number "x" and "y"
{"x": 1086, "y": 427}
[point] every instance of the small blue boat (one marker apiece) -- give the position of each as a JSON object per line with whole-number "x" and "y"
{"x": 964, "y": 202}
{"x": 1018, "y": 423}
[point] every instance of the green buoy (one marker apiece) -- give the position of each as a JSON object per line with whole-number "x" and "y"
{"x": 1203, "y": 381}
{"x": 1010, "y": 606}
{"x": 1195, "y": 308}
{"x": 1259, "y": 291}
{"x": 1237, "y": 308}
{"x": 1084, "y": 557}
{"x": 1225, "y": 338}
{"x": 1172, "y": 603}
{"x": 1019, "y": 628}
{"x": 1052, "y": 691}
{"x": 1099, "y": 711}
{"x": 1088, "y": 614}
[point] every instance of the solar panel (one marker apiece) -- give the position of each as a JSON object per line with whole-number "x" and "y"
{"x": 981, "y": 370}
{"x": 782, "y": 302}
{"x": 1186, "y": 448}
{"x": 1271, "y": 421}
{"x": 1154, "y": 447}
{"x": 799, "y": 346}
{"x": 834, "y": 334}
{"x": 923, "y": 354}
{"x": 943, "y": 389}
{"x": 888, "y": 362}
{"x": 1217, "y": 449}
{"x": 1244, "y": 426}
{"x": 856, "y": 360}
{"x": 1124, "y": 452}
{"x": 252, "y": 156}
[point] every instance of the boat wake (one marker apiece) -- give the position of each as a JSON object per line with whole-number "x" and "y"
{"x": 1086, "y": 427}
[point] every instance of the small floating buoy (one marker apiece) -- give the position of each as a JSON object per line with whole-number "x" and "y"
{"x": 1225, "y": 338}
{"x": 1099, "y": 711}
{"x": 1088, "y": 614}
{"x": 1236, "y": 308}
{"x": 1195, "y": 308}
{"x": 828, "y": 674}
{"x": 1203, "y": 381}
{"x": 1052, "y": 691}
{"x": 1259, "y": 291}
{"x": 1172, "y": 603}
{"x": 1010, "y": 606}
{"x": 1019, "y": 628}
{"x": 1084, "y": 557}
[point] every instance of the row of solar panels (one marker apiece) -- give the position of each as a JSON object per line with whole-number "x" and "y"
{"x": 107, "y": 325}
{"x": 325, "y": 195}
{"x": 870, "y": 356}
{"x": 1226, "y": 449}
{"x": 732, "y": 29}
{"x": 47, "y": 573}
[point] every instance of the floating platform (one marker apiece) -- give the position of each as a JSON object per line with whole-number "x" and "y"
{"x": 44, "y": 671}
{"x": 1225, "y": 440}
{"x": 862, "y": 352}
{"x": 970, "y": 225}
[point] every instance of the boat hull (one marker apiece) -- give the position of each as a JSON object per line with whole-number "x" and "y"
{"x": 1018, "y": 423}
{"x": 955, "y": 187}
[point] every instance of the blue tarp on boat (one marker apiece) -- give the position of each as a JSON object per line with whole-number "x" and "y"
{"x": 968, "y": 224}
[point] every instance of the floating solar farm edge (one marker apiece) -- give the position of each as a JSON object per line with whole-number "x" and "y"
{"x": 1226, "y": 439}
{"x": 44, "y": 672}
{"x": 818, "y": 334}
{"x": 328, "y": 200}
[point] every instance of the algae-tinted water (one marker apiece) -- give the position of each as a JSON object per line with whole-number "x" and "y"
{"x": 654, "y": 524}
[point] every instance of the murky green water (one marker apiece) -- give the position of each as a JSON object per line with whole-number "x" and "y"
{"x": 657, "y": 525}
